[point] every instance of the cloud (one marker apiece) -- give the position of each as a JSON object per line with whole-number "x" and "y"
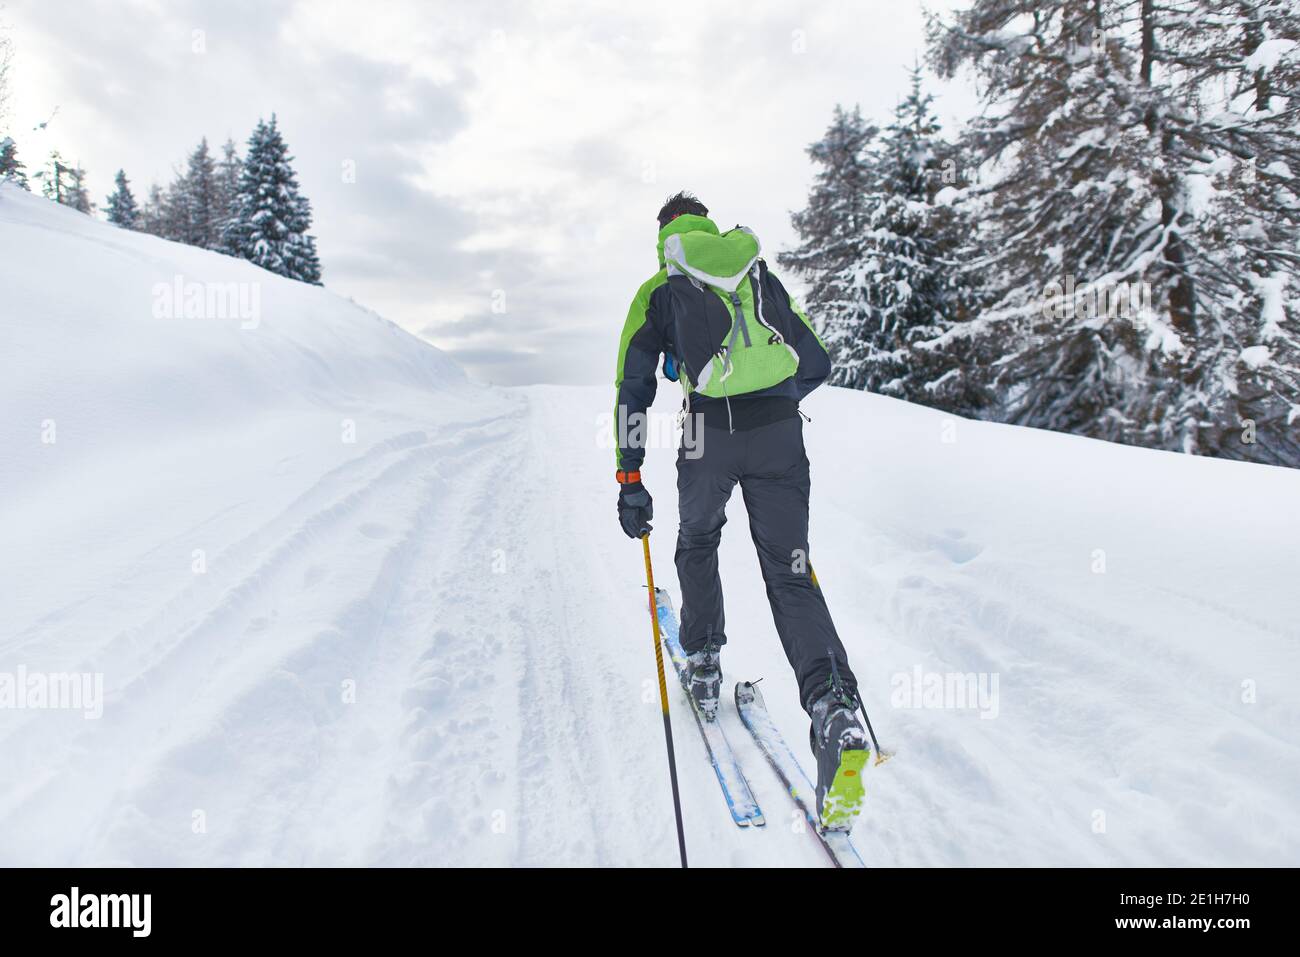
{"x": 506, "y": 152}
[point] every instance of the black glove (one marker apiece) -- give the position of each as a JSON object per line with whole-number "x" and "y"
{"x": 635, "y": 509}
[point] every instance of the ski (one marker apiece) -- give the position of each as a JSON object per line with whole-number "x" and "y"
{"x": 754, "y": 713}
{"x": 740, "y": 800}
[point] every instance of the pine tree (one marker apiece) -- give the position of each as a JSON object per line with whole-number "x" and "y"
{"x": 909, "y": 274}
{"x": 831, "y": 230}
{"x": 1124, "y": 312}
{"x": 1051, "y": 134}
{"x": 78, "y": 191}
{"x": 197, "y": 201}
{"x": 54, "y": 178}
{"x": 228, "y": 170}
{"x": 122, "y": 209}
{"x": 1232, "y": 65}
{"x": 64, "y": 184}
{"x": 272, "y": 217}
{"x": 12, "y": 169}
{"x": 308, "y": 268}
{"x": 153, "y": 215}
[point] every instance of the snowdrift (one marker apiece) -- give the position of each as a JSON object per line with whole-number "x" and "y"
{"x": 128, "y": 340}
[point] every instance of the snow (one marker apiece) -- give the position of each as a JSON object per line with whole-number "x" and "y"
{"x": 1256, "y": 356}
{"x": 431, "y": 644}
{"x": 1272, "y": 292}
{"x": 1200, "y": 193}
{"x": 949, "y": 196}
{"x": 1270, "y": 53}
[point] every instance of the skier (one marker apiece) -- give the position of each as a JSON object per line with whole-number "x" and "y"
{"x": 745, "y": 354}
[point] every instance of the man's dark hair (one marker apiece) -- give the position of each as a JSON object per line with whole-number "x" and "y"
{"x": 675, "y": 206}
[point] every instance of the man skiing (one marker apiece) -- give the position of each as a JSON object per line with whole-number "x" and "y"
{"x": 745, "y": 355}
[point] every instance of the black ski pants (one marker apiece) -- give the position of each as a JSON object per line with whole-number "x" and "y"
{"x": 771, "y": 466}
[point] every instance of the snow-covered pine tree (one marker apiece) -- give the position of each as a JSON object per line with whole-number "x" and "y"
{"x": 1103, "y": 126}
{"x": 228, "y": 169}
{"x": 12, "y": 169}
{"x": 79, "y": 191}
{"x": 308, "y": 259}
{"x": 272, "y": 217}
{"x": 831, "y": 229}
{"x": 196, "y": 196}
{"x": 122, "y": 208}
{"x": 1235, "y": 70}
{"x": 154, "y": 213}
{"x": 910, "y": 273}
{"x": 54, "y": 178}
{"x": 64, "y": 184}
{"x": 1068, "y": 198}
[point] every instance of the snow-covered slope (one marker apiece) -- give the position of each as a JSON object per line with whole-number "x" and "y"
{"x": 429, "y": 644}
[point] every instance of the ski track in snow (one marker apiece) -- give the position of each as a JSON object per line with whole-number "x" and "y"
{"x": 584, "y": 727}
{"x": 506, "y": 711}
{"x": 277, "y": 767}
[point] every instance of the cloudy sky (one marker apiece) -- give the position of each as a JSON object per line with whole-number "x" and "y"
{"x": 509, "y": 157}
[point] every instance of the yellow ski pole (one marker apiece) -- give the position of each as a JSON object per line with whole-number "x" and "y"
{"x": 663, "y": 695}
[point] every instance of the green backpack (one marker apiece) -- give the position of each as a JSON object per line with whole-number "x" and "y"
{"x": 727, "y": 342}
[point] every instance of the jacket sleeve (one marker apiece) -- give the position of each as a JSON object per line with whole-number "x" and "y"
{"x": 814, "y": 359}
{"x": 639, "y": 349}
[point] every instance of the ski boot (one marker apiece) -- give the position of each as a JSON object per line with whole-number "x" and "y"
{"x": 840, "y": 746}
{"x": 702, "y": 680}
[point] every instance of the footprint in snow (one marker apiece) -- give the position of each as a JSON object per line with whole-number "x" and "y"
{"x": 953, "y": 543}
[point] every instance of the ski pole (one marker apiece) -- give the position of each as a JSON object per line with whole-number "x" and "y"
{"x": 881, "y": 755}
{"x": 663, "y": 695}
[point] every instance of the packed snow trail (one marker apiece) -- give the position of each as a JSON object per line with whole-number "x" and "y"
{"x": 350, "y": 608}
